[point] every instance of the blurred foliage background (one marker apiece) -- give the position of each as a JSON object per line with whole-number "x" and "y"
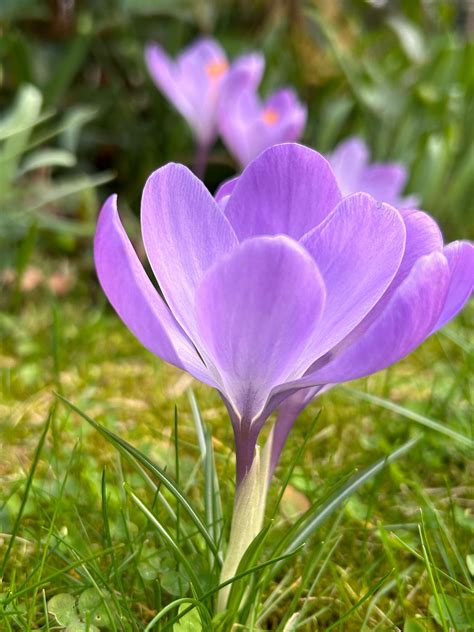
{"x": 79, "y": 109}
{"x": 79, "y": 119}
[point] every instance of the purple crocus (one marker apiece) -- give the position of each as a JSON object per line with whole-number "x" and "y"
{"x": 193, "y": 83}
{"x": 249, "y": 125}
{"x": 275, "y": 290}
{"x": 286, "y": 287}
{"x": 354, "y": 172}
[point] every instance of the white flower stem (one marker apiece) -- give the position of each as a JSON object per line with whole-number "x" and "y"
{"x": 247, "y": 517}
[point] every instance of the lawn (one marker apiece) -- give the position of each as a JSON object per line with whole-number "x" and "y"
{"x": 400, "y": 544}
{"x": 117, "y": 470}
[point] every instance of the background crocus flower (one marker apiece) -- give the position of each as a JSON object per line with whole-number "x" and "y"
{"x": 350, "y": 162}
{"x": 291, "y": 286}
{"x": 192, "y": 83}
{"x": 249, "y": 125}
{"x": 287, "y": 288}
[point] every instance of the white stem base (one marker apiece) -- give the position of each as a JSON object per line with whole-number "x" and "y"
{"x": 247, "y": 518}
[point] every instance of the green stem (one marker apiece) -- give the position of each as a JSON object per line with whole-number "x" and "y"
{"x": 247, "y": 517}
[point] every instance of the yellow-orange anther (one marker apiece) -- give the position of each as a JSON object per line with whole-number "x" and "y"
{"x": 270, "y": 116}
{"x": 216, "y": 69}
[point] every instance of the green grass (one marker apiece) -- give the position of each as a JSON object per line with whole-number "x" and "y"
{"x": 93, "y": 532}
{"x": 116, "y": 482}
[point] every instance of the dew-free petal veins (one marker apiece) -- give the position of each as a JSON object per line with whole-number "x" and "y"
{"x": 256, "y": 310}
{"x": 406, "y": 321}
{"x": 134, "y": 298}
{"x": 358, "y": 249}
{"x": 460, "y": 256}
{"x": 184, "y": 232}
{"x": 288, "y": 189}
{"x": 423, "y": 237}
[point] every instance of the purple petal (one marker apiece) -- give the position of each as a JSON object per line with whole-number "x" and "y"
{"x": 224, "y": 190}
{"x": 184, "y": 232}
{"x": 348, "y": 161}
{"x": 423, "y": 238}
{"x": 288, "y": 189}
{"x": 134, "y": 298}
{"x": 290, "y": 118}
{"x": 202, "y": 69}
{"x": 192, "y": 83}
{"x": 384, "y": 182}
{"x": 288, "y": 412}
{"x": 239, "y": 120}
{"x": 163, "y": 71}
{"x": 407, "y": 320}
{"x": 249, "y": 69}
{"x": 249, "y": 126}
{"x": 460, "y": 256}
{"x": 358, "y": 249}
{"x": 256, "y": 310}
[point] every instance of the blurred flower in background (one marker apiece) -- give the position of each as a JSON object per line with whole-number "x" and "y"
{"x": 215, "y": 97}
{"x": 249, "y": 125}
{"x": 191, "y": 83}
{"x": 350, "y": 162}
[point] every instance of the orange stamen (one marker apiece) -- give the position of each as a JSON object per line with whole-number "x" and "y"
{"x": 216, "y": 69}
{"x": 270, "y": 116}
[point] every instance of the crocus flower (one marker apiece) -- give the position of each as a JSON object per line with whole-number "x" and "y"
{"x": 193, "y": 82}
{"x": 249, "y": 125}
{"x": 350, "y": 162}
{"x": 279, "y": 287}
{"x": 289, "y": 287}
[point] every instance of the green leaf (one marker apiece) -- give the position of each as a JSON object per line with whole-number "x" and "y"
{"x": 456, "y": 612}
{"x": 410, "y": 38}
{"x": 212, "y": 497}
{"x": 190, "y": 622}
{"x": 413, "y": 625}
{"x": 47, "y": 158}
{"x": 79, "y": 626}
{"x": 63, "y": 608}
{"x": 172, "y": 545}
{"x": 92, "y": 608}
{"x": 470, "y": 563}
{"x": 174, "y": 583}
{"x": 17, "y": 126}
{"x": 319, "y": 513}
{"x": 29, "y": 482}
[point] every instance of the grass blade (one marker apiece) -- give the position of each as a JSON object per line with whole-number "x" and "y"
{"x": 212, "y": 498}
{"x": 432, "y": 424}
{"x": 317, "y": 515}
{"x": 362, "y": 600}
{"x": 169, "y": 540}
{"x": 122, "y": 445}
{"x": 29, "y": 482}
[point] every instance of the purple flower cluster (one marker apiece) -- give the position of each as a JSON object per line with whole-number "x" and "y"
{"x": 299, "y": 274}
{"x": 215, "y": 96}
{"x": 281, "y": 285}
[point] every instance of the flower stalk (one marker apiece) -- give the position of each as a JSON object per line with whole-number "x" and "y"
{"x": 248, "y": 514}
{"x": 200, "y": 160}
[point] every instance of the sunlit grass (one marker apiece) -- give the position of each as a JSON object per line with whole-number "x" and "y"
{"x": 89, "y": 526}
